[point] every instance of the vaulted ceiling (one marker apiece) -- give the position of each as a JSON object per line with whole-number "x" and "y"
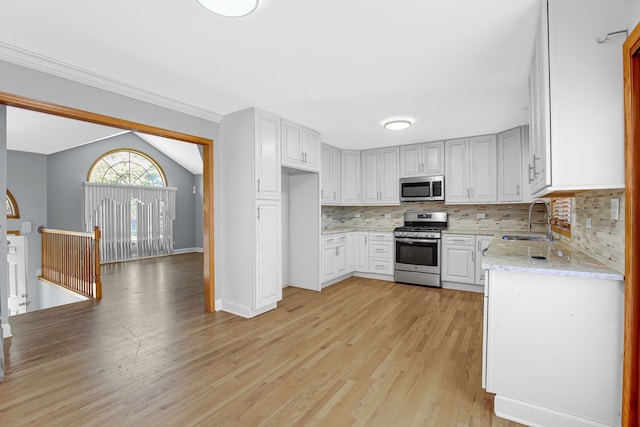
{"x": 457, "y": 67}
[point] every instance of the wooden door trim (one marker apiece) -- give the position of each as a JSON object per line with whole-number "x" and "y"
{"x": 86, "y": 116}
{"x": 631, "y": 375}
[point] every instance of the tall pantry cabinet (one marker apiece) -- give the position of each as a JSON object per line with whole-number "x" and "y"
{"x": 250, "y": 210}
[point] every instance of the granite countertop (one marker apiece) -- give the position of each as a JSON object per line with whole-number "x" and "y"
{"x": 560, "y": 259}
{"x": 480, "y": 231}
{"x": 336, "y": 230}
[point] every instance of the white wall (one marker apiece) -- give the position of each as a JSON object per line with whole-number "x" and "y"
{"x": 633, "y": 14}
{"x": 53, "y": 296}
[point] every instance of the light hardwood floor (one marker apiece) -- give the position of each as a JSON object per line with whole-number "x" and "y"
{"x": 362, "y": 352}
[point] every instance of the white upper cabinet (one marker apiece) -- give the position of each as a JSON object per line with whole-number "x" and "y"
{"x": 330, "y": 175}
{"x": 510, "y": 173}
{"x": 576, "y": 92}
{"x": 350, "y": 177}
{"x": 380, "y": 183}
{"x": 300, "y": 147}
{"x": 422, "y": 159}
{"x": 267, "y": 156}
{"x": 483, "y": 168}
{"x": 470, "y": 173}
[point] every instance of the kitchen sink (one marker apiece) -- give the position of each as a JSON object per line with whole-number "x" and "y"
{"x": 529, "y": 237}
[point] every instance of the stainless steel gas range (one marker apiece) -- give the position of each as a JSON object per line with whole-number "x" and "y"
{"x": 418, "y": 248}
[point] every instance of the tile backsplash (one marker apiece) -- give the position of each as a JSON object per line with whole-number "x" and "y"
{"x": 461, "y": 217}
{"x": 604, "y": 241}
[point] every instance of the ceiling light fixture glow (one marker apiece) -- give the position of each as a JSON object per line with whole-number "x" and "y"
{"x": 397, "y": 124}
{"x": 230, "y": 8}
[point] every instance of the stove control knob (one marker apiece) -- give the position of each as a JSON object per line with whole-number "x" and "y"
{"x": 415, "y": 234}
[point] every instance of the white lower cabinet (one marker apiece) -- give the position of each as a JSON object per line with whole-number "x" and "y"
{"x": 337, "y": 256}
{"x": 381, "y": 253}
{"x": 462, "y": 258}
{"x": 268, "y": 257}
{"x": 458, "y": 258}
{"x": 360, "y": 252}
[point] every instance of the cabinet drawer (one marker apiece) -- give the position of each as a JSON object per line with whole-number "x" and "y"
{"x": 459, "y": 239}
{"x": 335, "y": 238}
{"x": 381, "y": 266}
{"x": 342, "y": 238}
{"x": 386, "y": 237}
{"x": 381, "y": 249}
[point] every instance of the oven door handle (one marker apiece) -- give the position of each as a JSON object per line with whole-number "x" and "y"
{"x": 412, "y": 241}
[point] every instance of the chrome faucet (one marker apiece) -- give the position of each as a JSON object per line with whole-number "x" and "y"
{"x": 548, "y": 216}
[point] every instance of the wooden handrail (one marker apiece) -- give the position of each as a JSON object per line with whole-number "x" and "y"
{"x": 71, "y": 259}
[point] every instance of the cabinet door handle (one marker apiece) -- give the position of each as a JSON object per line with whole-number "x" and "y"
{"x": 258, "y": 209}
{"x": 258, "y": 185}
{"x": 337, "y": 251}
{"x": 518, "y": 190}
{"x": 530, "y": 171}
{"x": 473, "y": 256}
{"x": 535, "y": 172}
{"x": 322, "y": 194}
{"x": 334, "y": 195}
{"x": 468, "y": 193}
{"x": 478, "y": 245}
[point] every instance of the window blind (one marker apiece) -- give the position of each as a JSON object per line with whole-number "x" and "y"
{"x": 561, "y": 212}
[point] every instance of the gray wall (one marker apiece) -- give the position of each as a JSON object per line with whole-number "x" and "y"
{"x": 27, "y": 181}
{"x": 198, "y": 218}
{"x": 66, "y": 170}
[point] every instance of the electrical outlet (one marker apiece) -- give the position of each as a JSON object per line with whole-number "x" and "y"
{"x": 387, "y": 216}
{"x": 481, "y": 216}
{"x": 589, "y": 223}
{"x": 615, "y": 209}
{"x": 357, "y": 215}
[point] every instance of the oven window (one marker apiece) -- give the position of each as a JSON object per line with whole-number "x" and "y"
{"x": 416, "y": 189}
{"x": 417, "y": 253}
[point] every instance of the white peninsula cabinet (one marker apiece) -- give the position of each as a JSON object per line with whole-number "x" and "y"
{"x": 251, "y": 211}
{"x": 422, "y": 159}
{"x": 470, "y": 173}
{"x": 380, "y": 185}
{"x": 553, "y": 336}
{"x": 576, "y": 92}
{"x": 300, "y": 147}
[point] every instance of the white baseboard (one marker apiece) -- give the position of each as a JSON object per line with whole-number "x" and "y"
{"x": 535, "y": 415}
{"x": 244, "y": 311}
{"x": 217, "y": 305}
{"x": 187, "y": 251}
{"x": 375, "y": 276}
{"x": 463, "y": 287}
{"x": 6, "y": 330}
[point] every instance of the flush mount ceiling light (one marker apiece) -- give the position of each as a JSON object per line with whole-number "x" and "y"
{"x": 397, "y": 124}
{"x": 230, "y": 8}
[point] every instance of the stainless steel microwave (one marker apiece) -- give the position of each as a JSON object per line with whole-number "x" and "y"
{"x": 422, "y": 189}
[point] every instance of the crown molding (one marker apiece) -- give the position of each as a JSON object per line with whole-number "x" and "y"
{"x": 25, "y": 58}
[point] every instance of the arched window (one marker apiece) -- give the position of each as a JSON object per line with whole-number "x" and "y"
{"x": 128, "y": 198}
{"x": 12, "y": 206}
{"x": 127, "y": 167}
